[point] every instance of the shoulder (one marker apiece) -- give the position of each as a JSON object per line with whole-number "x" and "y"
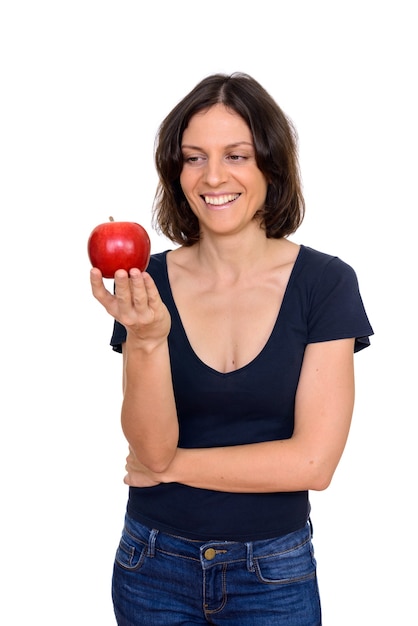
{"x": 325, "y": 279}
{"x": 158, "y": 259}
{"x": 315, "y": 264}
{"x": 157, "y": 265}
{"x": 330, "y": 291}
{"x": 316, "y": 257}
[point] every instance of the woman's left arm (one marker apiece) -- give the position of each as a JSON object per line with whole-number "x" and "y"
{"x": 307, "y": 461}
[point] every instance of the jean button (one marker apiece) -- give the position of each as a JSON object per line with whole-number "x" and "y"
{"x": 209, "y": 554}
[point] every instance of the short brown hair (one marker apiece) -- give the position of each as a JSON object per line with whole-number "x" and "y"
{"x": 275, "y": 143}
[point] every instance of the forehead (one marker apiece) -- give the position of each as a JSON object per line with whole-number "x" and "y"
{"x": 218, "y": 122}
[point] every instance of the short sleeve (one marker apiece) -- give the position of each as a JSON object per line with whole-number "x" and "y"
{"x": 337, "y": 310}
{"x": 118, "y": 336}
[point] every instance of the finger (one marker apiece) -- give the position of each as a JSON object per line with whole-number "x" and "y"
{"x": 122, "y": 287}
{"x": 130, "y": 454}
{"x": 153, "y": 295}
{"x": 139, "y": 283}
{"x": 99, "y": 290}
{"x": 125, "y": 284}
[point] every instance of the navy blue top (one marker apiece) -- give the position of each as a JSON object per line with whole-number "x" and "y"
{"x": 251, "y": 404}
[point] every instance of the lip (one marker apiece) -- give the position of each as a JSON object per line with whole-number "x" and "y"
{"x": 217, "y": 207}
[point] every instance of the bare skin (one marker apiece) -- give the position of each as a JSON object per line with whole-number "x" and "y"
{"x": 224, "y": 302}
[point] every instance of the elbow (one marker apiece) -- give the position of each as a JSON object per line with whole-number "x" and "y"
{"x": 154, "y": 454}
{"x": 157, "y": 461}
{"x": 320, "y": 483}
{"x": 320, "y": 476}
{"x": 158, "y": 465}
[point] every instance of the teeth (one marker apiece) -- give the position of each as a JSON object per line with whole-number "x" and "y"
{"x": 218, "y": 200}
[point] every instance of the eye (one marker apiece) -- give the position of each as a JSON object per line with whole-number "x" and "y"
{"x": 237, "y": 157}
{"x": 193, "y": 159}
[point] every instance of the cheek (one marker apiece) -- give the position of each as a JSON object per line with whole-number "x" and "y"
{"x": 188, "y": 186}
{"x": 185, "y": 183}
{"x": 262, "y": 186}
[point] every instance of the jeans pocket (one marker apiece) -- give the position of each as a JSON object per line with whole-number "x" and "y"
{"x": 287, "y": 567}
{"x": 131, "y": 552}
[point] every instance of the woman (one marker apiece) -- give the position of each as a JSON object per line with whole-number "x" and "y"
{"x": 237, "y": 374}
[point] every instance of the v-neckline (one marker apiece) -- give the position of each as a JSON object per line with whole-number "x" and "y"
{"x": 263, "y": 349}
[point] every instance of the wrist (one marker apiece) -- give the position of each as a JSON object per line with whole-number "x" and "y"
{"x": 144, "y": 345}
{"x": 172, "y": 473}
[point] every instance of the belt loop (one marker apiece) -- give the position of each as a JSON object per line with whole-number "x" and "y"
{"x": 151, "y": 542}
{"x": 250, "y": 562}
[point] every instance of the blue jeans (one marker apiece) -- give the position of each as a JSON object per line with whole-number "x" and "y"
{"x": 164, "y": 580}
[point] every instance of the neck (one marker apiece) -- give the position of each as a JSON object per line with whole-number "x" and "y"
{"x": 229, "y": 257}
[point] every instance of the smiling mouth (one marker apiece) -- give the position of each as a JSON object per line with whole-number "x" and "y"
{"x": 220, "y": 200}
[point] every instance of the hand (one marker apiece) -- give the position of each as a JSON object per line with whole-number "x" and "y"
{"x": 137, "y": 474}
{"x": 136, "y": 304}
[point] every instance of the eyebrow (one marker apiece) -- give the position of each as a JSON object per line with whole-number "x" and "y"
{"x": 229, "y": 146}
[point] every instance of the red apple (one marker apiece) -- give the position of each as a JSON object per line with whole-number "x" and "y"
{"x": 118, "y": 245}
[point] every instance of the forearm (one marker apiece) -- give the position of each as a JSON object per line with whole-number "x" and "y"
{"x": 148, "y": 416}
{"x": 285, "y": 465}
{"x": 305, "y": 461}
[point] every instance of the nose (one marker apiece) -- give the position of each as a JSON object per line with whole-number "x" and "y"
{"x": 215, "y": 172}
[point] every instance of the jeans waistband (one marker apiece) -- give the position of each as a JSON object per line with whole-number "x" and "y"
{"x": 215, "y": 552}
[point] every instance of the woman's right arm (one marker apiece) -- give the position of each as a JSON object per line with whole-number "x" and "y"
{"x": 148, "y": 416}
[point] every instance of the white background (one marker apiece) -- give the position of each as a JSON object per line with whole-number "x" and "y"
{"x": 84, "y": 86}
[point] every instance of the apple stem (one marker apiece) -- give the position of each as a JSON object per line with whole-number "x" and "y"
{"x": 111, "y": 219}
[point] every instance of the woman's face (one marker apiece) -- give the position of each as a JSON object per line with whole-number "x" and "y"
{"x": 220, "y": 177}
